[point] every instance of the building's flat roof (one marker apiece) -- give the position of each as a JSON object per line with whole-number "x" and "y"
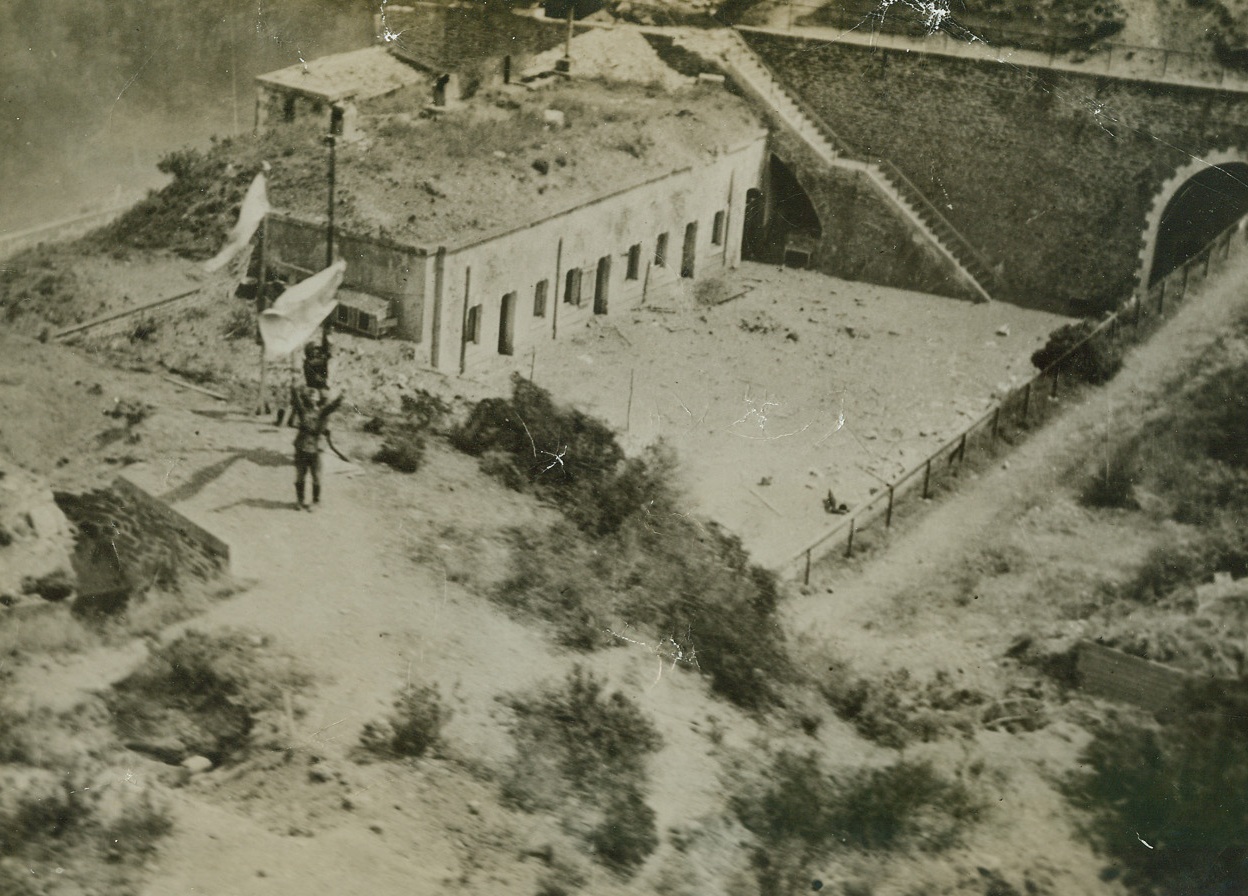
{"x": 359, "y": 74}
{"x": 496, "y": 163}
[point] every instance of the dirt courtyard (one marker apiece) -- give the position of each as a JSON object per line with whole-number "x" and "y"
{"x": 801, "y": 384}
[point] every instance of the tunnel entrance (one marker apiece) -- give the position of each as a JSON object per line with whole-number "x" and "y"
{"x": 1205, "y": 205}
{"x": 782, "y": 225}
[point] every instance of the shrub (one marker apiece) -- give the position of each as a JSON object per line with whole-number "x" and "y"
{"x": 413, "y": 728}
{"x": 800, "y": 811}
{"x": 1095, "y": 360}
{"x": 205, "y": 690}
{"x": 1182, "y": 788}
{"x": 54, "y": 586}
{"x": 562, "y": 455}
{"x": 138, "y": 828}
{"x": 626, "y": 835}
{"x": 894, "y": 710}
{"x": 582, "y": 752}
{"x": 240, "y": 323}
{"x": 403, "y": 448}
{"x": 1113, "y": 483}
{"x": 691, "y": 585}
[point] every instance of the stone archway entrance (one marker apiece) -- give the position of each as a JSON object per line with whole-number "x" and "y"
{"x": 1194, "y": 206}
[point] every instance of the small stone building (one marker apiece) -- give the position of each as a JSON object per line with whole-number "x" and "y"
{"x": 340, "y": 81}
{"x": 499, "y": 226}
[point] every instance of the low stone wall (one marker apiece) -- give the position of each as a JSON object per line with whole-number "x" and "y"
{"x": 129, "y": 541}
{"x": 1109, "y": 673}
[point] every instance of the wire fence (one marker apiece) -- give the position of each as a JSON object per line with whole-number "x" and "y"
{"x": 1020, "y": 410}
{"x": 1085, "y": 51}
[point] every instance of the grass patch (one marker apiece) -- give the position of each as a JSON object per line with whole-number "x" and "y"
{"x": 582, "y": 753}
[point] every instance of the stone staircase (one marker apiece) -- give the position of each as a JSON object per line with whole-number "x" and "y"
{"x": 726, "y": 46}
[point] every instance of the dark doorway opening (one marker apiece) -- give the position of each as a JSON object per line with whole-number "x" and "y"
{"x": 507, "y": 325}
{"x": 1203, "y": 207}
{"x": 794, "y": 223}
{"x": 689, "y": 253}
{"x": 754, "y": 232}
{"x": 602, "y": 283}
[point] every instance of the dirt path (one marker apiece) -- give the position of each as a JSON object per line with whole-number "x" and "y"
{"x": 859, "y": 615}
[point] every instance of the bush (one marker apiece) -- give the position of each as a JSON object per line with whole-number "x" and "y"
{"x": 894, "y": 710}
{"x": 582, "y": 754}
{"x": 1182, "y": 788}
{"x": 207, "y": 691}
{"x": 691, "y": 586}
{"x": 800, "y": 811}
{"x": 1113, "y": 483}
{"x": 412, "y": 729}
{"x": 138, "y": 828}
{"x": 562, "y": 455}
{"x": 1094, "y": 361}
{"x": 626, "y": 835}
{"x": 403, "y": 448}
{"x": 240, "y": 323}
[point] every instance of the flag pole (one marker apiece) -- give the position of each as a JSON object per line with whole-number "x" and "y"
{"x": 260, "y": 302}
{"x": 330, "y": 141}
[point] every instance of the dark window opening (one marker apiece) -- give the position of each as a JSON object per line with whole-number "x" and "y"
{"x": 572, "y": 287}
{"x": 660, "y": 251}
{"x": 634, "y": 262}
{"x": 690, "y": 250}
{"x": 472, "y": 328}
{"x": 602, "y": 283}
{"x": 539, "y": 298}
{"x": 717, "y": 229}
{"x": 507, "y": 325}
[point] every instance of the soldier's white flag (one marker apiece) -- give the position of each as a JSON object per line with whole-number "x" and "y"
{"x": 298, "y": 311}
{"x": 255, "y": 206}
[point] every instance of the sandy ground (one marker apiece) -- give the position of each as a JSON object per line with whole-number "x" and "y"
{"x": 383, "y": 586}
{"x": 803, "y": 384}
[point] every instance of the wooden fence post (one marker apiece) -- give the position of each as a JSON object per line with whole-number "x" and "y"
{"x": 806, "y": 576}
{"x": 888, "y": 516}
{"x": 996, "y": 423}
{"x": 849, "y": 544}
{"x": 1056, "y": 375}
{"x": 927, "y": 478}
{"x": 962, "y": 449}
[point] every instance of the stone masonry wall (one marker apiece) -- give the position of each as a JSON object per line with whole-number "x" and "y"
{"x": 1049, "y": 174}
{"x": 129, "y": 541}
{"x": 864, "y": 237}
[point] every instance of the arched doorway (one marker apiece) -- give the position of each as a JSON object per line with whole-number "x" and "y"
{"x": 791, "y": 219}
{"x": 1199, "y": 202}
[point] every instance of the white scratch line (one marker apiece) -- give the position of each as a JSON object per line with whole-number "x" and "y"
{"x": 1142, "y": 840}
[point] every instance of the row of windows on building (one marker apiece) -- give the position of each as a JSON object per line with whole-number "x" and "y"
{"x": 572, "y": 283}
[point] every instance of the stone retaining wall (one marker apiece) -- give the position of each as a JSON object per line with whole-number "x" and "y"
{"x": 129, "y": 541}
